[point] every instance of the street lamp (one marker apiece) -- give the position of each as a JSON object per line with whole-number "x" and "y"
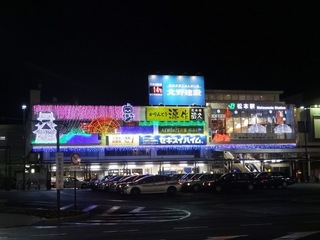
{"x": 24, "y": 107}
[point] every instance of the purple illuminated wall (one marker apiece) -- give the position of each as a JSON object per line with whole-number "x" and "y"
{"x": 85, "y": 112}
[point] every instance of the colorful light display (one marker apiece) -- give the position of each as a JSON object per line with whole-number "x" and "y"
{"x": 179, "y": 123}
{"x": 74, "y": 141}
{"x": 86, "y": 112}
{"x": 101, "y": 125}
{"x": 183, "y": 147}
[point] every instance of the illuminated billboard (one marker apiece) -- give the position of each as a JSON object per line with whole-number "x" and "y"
{"x": 172, "y": 140}
{"x": 174, "y": 114}
{"x": 176, "y": 90}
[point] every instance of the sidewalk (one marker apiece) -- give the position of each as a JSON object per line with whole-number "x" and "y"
{"x": 14, "y": 220}
{"x": 8, "y": 219}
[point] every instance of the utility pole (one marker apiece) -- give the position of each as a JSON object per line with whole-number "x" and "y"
{"x": 305, "y": 163}
{"x": 306, "y": 145}
{"x": 24, "y": 107}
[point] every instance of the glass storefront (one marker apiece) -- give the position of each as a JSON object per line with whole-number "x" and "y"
{"x": 252, "y": 120}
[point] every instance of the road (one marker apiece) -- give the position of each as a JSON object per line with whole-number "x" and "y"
{"x": 292, "y": 213}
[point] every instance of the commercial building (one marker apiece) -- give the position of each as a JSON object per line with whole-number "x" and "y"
{"x": 185, "y": 128}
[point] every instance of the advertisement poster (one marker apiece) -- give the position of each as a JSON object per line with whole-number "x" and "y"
{"x": 173, "y": 140}
{"x": 176, "y": 90}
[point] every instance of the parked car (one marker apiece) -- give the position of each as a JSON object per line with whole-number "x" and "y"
{"x": 273, "y": 180}
{"x": 207, "y": 184}
{"x": 105, "y": 185}
{"x": 117, "y": 186}
{"x": 70, "y": 182}
{"x": 177, "y": 176}
{"x": 195, "y": 183}
{"x": 233, "y": 181}
{"x": 96, "y": 183}
{"x": 152, "y": 184}
{"x": 186, "y": 177}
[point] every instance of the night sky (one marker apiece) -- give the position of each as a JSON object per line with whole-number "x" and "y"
{"x": 101, "y": 52}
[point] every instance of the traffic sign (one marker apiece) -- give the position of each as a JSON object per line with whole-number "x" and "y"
{"x": 75, "y": 159}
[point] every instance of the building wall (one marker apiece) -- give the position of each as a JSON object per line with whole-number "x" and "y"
{"x": 11, "y": 153}
{"x": 121, "y": 143}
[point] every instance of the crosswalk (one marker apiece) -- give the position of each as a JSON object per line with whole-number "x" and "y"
{"x": 134, "y": 215}
{"x": 291, "y": 236}
{"x": 118, "y": 215}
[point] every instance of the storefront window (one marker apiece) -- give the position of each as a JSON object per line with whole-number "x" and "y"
{"x": 229, "y": 125}
{"x": 237, "y": 124}
{"x": 262, "y": 119}
{"x": 252, "y": 118}
{"x": 244, "y": 121}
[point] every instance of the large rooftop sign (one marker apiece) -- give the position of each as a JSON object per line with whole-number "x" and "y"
{"x": 176, "y": 90}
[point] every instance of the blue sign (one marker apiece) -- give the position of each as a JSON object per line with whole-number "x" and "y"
{"x": 173, "y": 140}
{"x": 176, "y": 90}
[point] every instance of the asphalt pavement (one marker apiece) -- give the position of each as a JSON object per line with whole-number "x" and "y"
{"x": 15, "y": 220}
{"x": 8, "y": 219}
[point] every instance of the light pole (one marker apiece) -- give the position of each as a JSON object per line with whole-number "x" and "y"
{"x": 24, "y": 107}
{"x": 59, "y": 165}
{"x": 305, "y": 130}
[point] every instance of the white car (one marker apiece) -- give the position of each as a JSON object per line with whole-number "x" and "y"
{"x": 152, "y": 184}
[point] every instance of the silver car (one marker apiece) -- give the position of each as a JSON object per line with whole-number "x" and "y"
{"x": 152, "y": 184}
{"x": 70, "y": 182}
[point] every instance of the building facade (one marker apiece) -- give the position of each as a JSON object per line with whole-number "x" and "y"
{"x": 228, "y": 130}
{"x": 235, "y": 131}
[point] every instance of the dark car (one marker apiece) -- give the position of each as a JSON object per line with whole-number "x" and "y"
{"x": 95, "y": 184}
{"x": 273, "y": 180}
{"x": 177, "y": 176}
{"x": 233, "y": 181}
{"x": 105, "y": 185}
{"x": 195, "y": 184}
{"x": 186, "y": 177}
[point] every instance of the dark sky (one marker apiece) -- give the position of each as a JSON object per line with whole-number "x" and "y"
{"x": 101, "y": 52}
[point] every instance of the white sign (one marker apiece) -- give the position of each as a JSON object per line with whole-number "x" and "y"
{"x": 123, "y": 140}
{"x": 271, "y": 107}
{"x": 59, "y": 170}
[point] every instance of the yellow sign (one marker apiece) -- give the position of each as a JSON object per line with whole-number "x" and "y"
{"x": 168, "y": 114}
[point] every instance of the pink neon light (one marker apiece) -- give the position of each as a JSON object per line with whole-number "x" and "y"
{"x": 86, "y": 112}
